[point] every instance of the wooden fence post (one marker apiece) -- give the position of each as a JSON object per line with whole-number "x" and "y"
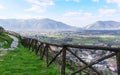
{"x": 39, "y": 47}
{"x": 63, "y": 61}
{"x": 47, "y": 55}
{"x": 43, "y": 51}
{"x": 33, "y": 45}
{"x": 118, "y": 62}
{"x": 26, "y": 42}
{"x": 30, "y": 46}
{"x": 40, "y": 50}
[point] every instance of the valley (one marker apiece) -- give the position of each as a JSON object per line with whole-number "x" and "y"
{"x": 59, "y": 37}
{"x": 79, "y": 38}
{"x": 53, "y": 32}
{"x": 110, "y": 39}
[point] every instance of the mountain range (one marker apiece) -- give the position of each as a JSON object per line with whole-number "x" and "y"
{"x": 49, "y": 24}
{"x": 104, "y": 25}
{"x": 34, "y": 24}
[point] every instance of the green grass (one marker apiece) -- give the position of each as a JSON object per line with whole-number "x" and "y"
{"x": 6, "y": 38}
{"x": 21, "y": 61}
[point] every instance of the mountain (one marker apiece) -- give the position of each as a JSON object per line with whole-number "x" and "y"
{"x": 104, "y": 25}
{"x": 33, "y": 24}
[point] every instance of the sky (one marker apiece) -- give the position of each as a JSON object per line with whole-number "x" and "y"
{"x": 77, "y": 13}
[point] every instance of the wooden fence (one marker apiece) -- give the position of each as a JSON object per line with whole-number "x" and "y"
{"x": 48, "y": 51}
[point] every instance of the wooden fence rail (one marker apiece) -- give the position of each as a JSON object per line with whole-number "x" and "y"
{"x": 44, "y": 49}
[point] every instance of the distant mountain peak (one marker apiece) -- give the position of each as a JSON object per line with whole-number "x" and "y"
{"x": 47, "y": 19}
{"x": 104, "y": 25}
{"x": 34, "y": 24}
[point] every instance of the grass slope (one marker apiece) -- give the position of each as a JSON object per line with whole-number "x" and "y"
{"x": 5, "y": 37}
{"x": 21, "y": 61}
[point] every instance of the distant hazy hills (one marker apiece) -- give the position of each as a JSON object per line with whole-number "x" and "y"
{"x": 104, "y": 25}
{"x": 33, "y": 24}
{"x": 49, "y": 24}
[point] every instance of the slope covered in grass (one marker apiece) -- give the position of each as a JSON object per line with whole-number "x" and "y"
{"x": 21, "y": 61}
{"x": 4, "y": 37}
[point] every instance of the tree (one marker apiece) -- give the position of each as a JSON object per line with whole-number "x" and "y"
{"x": 1, "y": 29}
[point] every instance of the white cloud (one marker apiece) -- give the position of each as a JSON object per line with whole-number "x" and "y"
{"x": 106, "y": 12}
{"x": 81, "y": 18}
{"x": 73, "y": 0}
{"x": 34, "y": 1}
{"x": 72, "y": 13}
{"x": 77, "y": 18}
{"x": 78, "y": 14}
{"x": 114, "y": 1}
{"x": 1, "y": 7}
{"x": 41, "y": 2}
{"x": 26, "y": 16}
{"x": 39, "y": 5}
{"x": 36, "y": 8}
{"x": 21, "y": 16}
{"x": 95, "y": 0}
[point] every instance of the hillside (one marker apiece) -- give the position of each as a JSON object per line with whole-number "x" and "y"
{"x": 104, "y": 25}
{"x": 33, "y": 24}
{"x": 21, "y": 61}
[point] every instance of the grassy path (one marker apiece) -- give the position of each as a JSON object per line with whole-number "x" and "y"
{"x": 6, "y": 38}
{"x": 21, "y": 61}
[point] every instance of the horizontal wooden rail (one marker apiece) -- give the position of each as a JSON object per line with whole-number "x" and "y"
{"x": 114, "y": 49}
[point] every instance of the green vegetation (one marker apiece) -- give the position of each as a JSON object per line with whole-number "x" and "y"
{"x": 1, "y": 30}
{"x": 81, "y": 39}
{"x": 23, "y": 62}
{"x": 4, "y": 37}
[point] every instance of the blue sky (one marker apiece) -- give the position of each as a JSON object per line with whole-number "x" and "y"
{"x": 73, "y": 12}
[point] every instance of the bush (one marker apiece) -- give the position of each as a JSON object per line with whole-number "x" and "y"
{"x": 1, "y": 29}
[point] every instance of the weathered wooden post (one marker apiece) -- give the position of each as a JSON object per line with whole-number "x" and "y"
{"x": 118, "y": 62}
{"x": 39, "y": 48}
{"x": 28, "y": 42}
{"x": 47, "y": 55}
{"x": 63, "y": 60}
{"x": 23, "y": 42}
{"x": 35, "y": 45}
{"x": 43, "y": 51}
{"x": 31, "y": 42}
